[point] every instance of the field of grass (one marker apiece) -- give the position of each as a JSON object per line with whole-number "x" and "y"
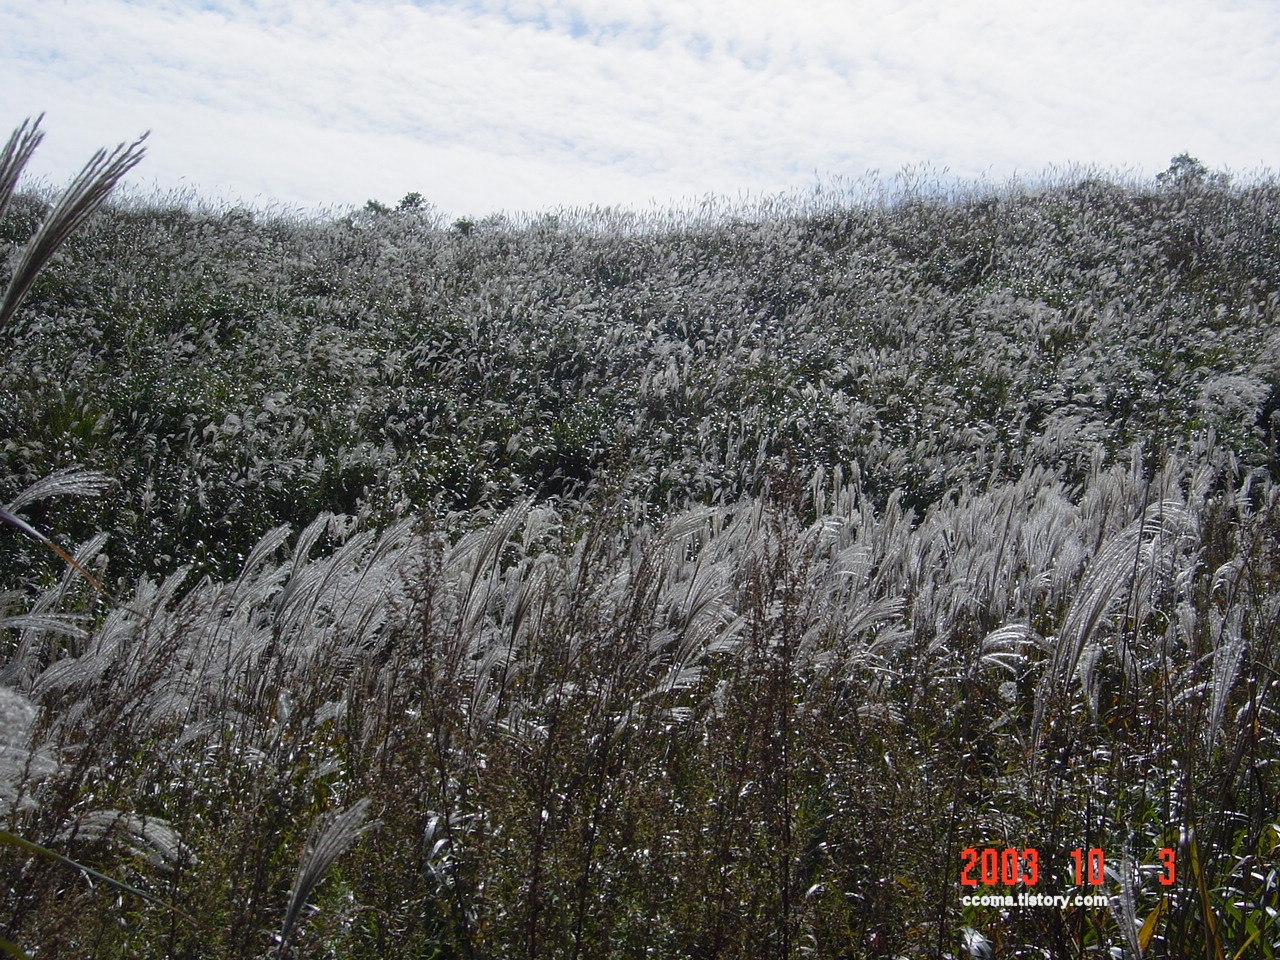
{"x": 595, "y": 584}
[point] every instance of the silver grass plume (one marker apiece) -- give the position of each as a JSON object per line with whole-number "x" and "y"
{"x": 22, "y": 144}
{"x": 148, "y": 837}
{"x": 1128, "y": 565}
{"x": 1226, "y": 665}
{"x": 69, "y": 482}
{"x": 483, "y": 550}
{"x": 1004, "y": 647}
{"x": 19, "y": 764}
{"x": 41, "y": 620}
{"x": 109, "y": 647}
{"x": 87, "y": 192}
{"x": 975, "y": 944}
{"x": 1124, "y": 906}
{"x": 330, "y": 612}
{"x": 331, "y": 836}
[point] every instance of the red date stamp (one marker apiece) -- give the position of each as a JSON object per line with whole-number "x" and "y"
{"x": 1011, "y": 866}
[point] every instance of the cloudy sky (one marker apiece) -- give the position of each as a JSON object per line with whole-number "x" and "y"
{"x": 485, "y": 105}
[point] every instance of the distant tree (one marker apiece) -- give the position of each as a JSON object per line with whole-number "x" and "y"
{"x": 373, "y": 206}
{"x": 411, "y": 201}
{"x": 1185, "y": 171}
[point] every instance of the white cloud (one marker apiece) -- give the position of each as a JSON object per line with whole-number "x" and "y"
{"x": 527, "y": 104}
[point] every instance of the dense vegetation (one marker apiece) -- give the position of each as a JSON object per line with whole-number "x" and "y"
{"x": 695, "y": 585}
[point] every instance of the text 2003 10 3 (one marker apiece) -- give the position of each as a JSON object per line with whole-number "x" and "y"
{"x": 1012, "y": 866}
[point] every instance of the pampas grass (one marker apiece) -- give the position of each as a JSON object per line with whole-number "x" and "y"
{"x": 677, "y": 587}
{"x": 559, "y": 705}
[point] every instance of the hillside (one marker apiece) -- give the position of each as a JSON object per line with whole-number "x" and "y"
{"x": 717, "y": 583}
{"x": 235, "y": 371}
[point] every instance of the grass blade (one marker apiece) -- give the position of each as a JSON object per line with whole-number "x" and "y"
{"x": 86, "y": 193}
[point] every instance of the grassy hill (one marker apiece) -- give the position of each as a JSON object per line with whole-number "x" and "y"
{"x": 234, "y": 371}
{"x": 686, "y": 585}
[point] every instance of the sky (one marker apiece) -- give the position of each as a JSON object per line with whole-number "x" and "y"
{"x": 532, "y": 105}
